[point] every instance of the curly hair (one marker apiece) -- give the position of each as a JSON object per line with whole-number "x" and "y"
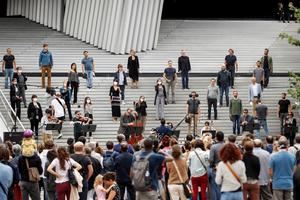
{"x": 230, "y": 153}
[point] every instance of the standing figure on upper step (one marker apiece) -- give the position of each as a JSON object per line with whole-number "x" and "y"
{"x": 231, "y": 65}
{"x": 170, "y": 77}
{"x": 88, "y": 69}
{"x": 46, "y": 64}
{"x": 267, "y": 63}
{"x": 184, "y": 66}
{"x": 133, "y": 66}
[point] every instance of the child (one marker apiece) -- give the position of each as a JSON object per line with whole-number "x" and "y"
{"x": 29, "y": 146}
{"x": 99, "y": 189}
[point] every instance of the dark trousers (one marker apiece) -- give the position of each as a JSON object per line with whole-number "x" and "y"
{"x": 232, "y": 74}
{"x": 212, "y": 102}
{"x": 267, "y": 76}
{"x": 282, "y": 117}
{"x": 224, "y": 89}
{"x": 74, "y": 88}
{"x": 185, "y": 80}
{"x": 236, "y": 124}
{"x": 34, "y": 125}
{"x": 130, "y": 190}
{"x": 290, "y": 134}
{"x": 22, "y": 94}
{"x": 16, "y": 106}
{"x": 122, "y": 88}
{"x": 69, "y": 109}
{"x": 84, "y": 193}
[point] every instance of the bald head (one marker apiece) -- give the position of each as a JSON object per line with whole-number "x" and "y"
{"x": 79, "y": 147}
{"x": 257, "y": 143}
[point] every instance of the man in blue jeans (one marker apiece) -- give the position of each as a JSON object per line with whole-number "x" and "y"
{"x": 235, "y": 111}
{"x": 8, "y": 67}
{"x": 88, "y": 68}
{"x": 224, "y": 82}
{"x": 261, "y": 113}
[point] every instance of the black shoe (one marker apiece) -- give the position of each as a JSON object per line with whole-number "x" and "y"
{"x": 25, "y": 106}
{"x": 232, "y": 87}
{"x": 188, "y": 88}
{"x": 173, "y": 102}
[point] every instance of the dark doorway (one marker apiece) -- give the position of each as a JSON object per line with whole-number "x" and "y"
{"x": 201, "y": 9}
{"x": 3, "y": 6}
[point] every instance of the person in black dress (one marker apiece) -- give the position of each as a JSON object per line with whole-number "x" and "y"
{"x": 114, "y": 94}
{"x": 290, "y": 127}
{"x": 133, "y": 68}
{"x": 34, "y": 114}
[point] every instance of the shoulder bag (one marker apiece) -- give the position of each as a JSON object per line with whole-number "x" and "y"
{"x": 234, "y": 174}
{"x": 186, "y": 187}
{"x": 33, "y": 173}
{"x": 71, "y": 175}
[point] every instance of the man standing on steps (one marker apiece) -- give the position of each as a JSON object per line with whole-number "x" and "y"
{"x": 8, "y": 67}
{"x": 170, "y": 77}
{"x": 120, "y": 77}
{"x": 212, "y": 98}
{"x": 267, "y": 63}
{"x": 284, "y": 106}
{"x": 231, "y": 65}
{"x": 184, "y": 66}
{"x": 224, "y": 81}
{"x": 254, "y": 93}
{"x": 46, "y": 64}
{"x": 193, "y": 111}
{"x": 235, "y": 111}
{"x": 88, "y": 69}
{"x": 261, "y": 113}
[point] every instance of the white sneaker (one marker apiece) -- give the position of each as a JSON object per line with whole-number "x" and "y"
{"x": 59, "y": 136}
{"x": 123, "y": 102}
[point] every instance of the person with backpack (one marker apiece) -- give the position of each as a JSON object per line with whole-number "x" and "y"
{"x": 59, "y": 106}
{"x": 144, "y": 171}
{"x": 122, "y": 165}
{"x": 109, "y": 158}
{"x": 97, "y": 170}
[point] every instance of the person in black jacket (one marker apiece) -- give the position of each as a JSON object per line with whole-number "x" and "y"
{"x": 247, "y": 121}
{"x": 224, "y": 82}
{"x": 34, "y": 114}
{"x": 15, "y": 98}
{"x": 140, "y": 108}
{"x": 160, "y": 99}
{"x": 184, "y": 67}
{"x": 290, "y": 127}
{"x": 251, "y": 187}
{"x": 133, "y": 66}
{"x": 29, "y": 188}
{"x": 21, "y": 82}
{"x": 120, "y": 77}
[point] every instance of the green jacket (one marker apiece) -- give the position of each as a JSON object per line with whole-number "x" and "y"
{"x": 235, "y": 107}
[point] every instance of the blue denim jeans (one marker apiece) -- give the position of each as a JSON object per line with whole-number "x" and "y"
{"x": 232, "y": 196}
{"x": 185, "y": 80}
{"x": 89, "y": 79}
{"x": 226, "y": 90}
{"x": 215, "y": 190}
{"x": 8, "y": 75}
{"x": 263, "y": 123}
{"x": 236, "y": 124}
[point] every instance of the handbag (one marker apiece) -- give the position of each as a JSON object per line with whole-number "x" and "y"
{"x": 84, "y": 76}
{"x": 71, "y": 176}
{"x": 186, "y": 187}
{"x": 33, "y": 173}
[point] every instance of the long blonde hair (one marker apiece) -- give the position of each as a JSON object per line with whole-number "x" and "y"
{"x": 98, "y": 181}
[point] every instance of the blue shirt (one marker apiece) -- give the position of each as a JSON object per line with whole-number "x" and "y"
{"x": 155, "y": 161}
{"x": 45, "y": 59}
{"x": 282, "y": 165}
{"x": 122, "y": 165}
{"x": 162, "y": 130}
{"x": 88, "y": 63}
{"x": 6, "y": 178}
{"x": 170, "y": 73}
{"x": 117, "y": 148}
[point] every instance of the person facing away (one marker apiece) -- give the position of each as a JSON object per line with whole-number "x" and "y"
{"x": 231, "y": 65}
{"x": 46, "y": 64}
{"x": 267, "y": 63}
{"x": 261, "y": 113}
{"x": 235, "y": 111}
{"x": 184, "y": 66}
{"x": 170, "y": 77}
{"x": 8, "y": 67}
{"x": 224, "y": 81}
{"x": 88, "y": 68}
{"x": 281, "y": 167}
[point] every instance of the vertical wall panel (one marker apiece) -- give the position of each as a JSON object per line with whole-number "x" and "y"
{"x": 113, "y": 25}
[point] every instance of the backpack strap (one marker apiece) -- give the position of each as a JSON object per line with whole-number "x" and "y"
{"x": 138, "y": 157}
{"x": 296, "y": 148}
{"x": 3, "y": 189}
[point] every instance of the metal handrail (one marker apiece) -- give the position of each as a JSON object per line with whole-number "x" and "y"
{"x": 10, "y": 109}
{"x": 4, "y": 121}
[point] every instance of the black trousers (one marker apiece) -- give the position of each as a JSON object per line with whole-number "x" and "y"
{"x": 212, "y": 102}
{"x": 34, "y": 125}
{"x": 74, "y": 88}
{"x": 130, "y": 190}
{"x": 122, "y": 88}
{"x": 16, "y": 106}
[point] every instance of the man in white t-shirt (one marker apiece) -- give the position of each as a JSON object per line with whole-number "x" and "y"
{"x": 59, "y": 106}
{"x": 254, "y": 93}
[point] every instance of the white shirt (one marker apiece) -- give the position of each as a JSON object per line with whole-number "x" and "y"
{"x": 59, "y": 109}
{"x": 121, "y": 78}
{"x": 196, "y": 167}
{"x": 293, "y": 150}
{"x": 43, "y": 157}
{"x": 44, "y": 122}
{"x": 255, "y": 89}
{"x": 225, "y": 178}
{"x": 60, "y": 171}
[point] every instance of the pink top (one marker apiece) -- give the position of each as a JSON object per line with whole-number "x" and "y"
{"x": 101, "y": 195}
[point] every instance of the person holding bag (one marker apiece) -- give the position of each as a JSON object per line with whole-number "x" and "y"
{"x": 198, "y": 164}
{"x": 231, "y": 173}
{"x": 177, "y": 170}
{"x": 62, "y": 164}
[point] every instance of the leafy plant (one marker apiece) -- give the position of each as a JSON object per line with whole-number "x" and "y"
{"x": 294, "y": 89}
